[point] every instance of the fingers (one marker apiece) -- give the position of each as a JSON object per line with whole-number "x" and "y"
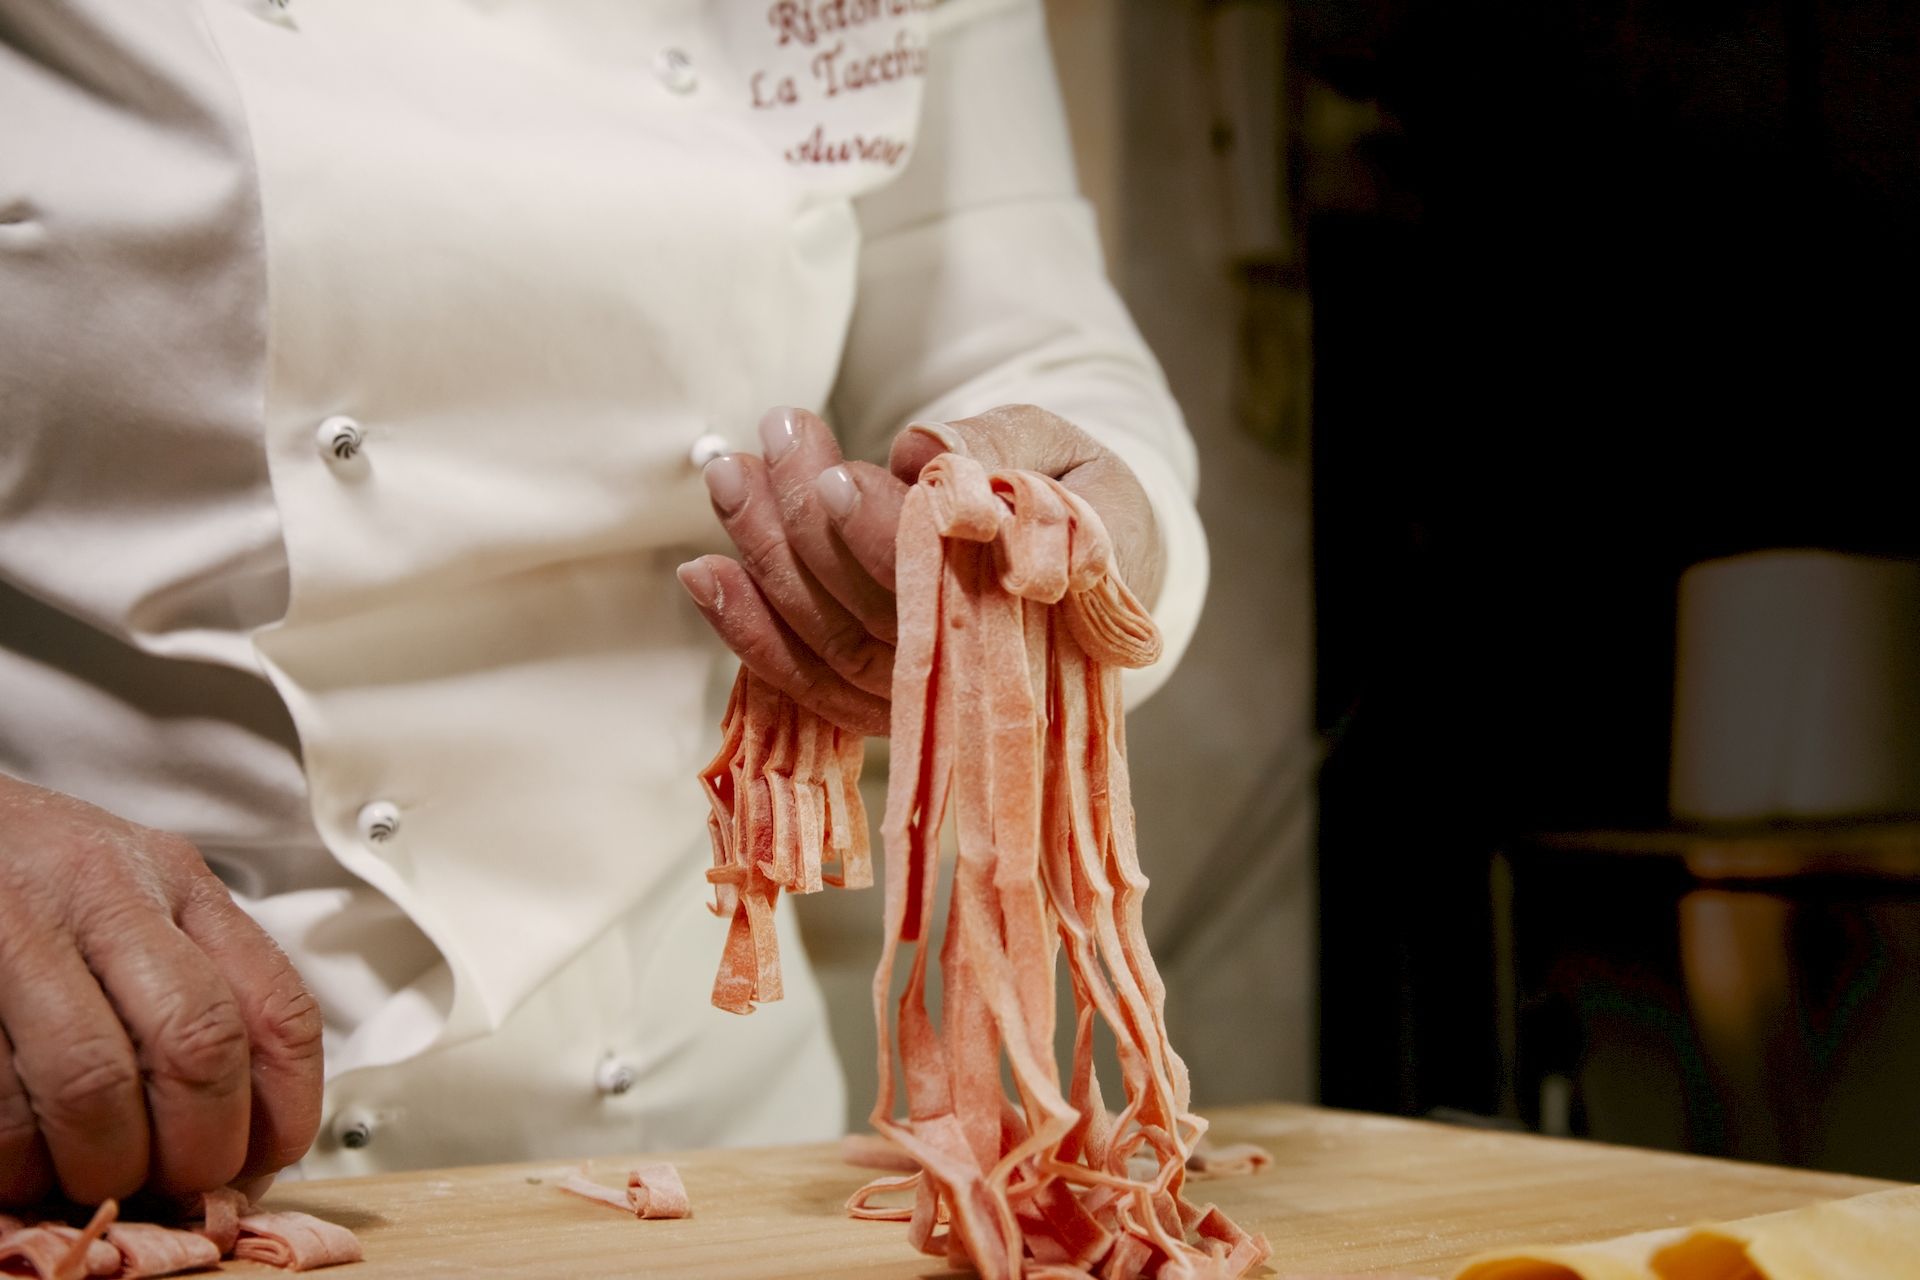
{"x": 798, "y": 449}
{"x": 187, "y": 1036}
{"x": 920, "y": 443}
{"x": 813, "y": 611}
{"x": 734, "y": 606}
{"x": 863, "y": 502}
{"x": 1026, "y": 438}
{"x": 75, "y": 1063}
{"x": 744, "y": 498}
{"x": 1011, "y": 437}
{"x": 26, "y": 1169}
{"x": 809, "y": 606}
{"x": 282, "y": 1025}
{"x": 149, "y": 1033}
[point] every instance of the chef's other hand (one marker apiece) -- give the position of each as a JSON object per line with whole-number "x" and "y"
{"x": 154, "y": 1037}
{"x": 809, "y": 604}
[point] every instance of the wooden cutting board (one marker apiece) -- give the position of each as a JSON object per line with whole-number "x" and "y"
{"x": 1349, "y": 1194}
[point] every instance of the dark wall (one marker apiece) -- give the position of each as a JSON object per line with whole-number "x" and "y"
{"x": 1634, "y": 286}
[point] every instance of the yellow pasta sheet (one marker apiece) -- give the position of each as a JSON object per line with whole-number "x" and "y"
{"x": 1873, "y": 1237}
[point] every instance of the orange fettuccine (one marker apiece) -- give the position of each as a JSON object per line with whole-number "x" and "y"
{"x": 785, "y": 795}
{"x": 1014, "y": 627}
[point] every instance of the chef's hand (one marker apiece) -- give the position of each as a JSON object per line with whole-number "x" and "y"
{"x": 809, "y": 604}
{"x": 154, "y": 1037}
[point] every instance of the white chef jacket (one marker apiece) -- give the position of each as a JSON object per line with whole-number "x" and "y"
{"x": 357, "y": 360}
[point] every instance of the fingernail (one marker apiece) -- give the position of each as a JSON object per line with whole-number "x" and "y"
{"x": 949, "y": 439}
{"x": 727, "y": 482}
{"x": 837, "y": 492}
{"x": 700, "y": 583}
{"x": 778, "y": 431}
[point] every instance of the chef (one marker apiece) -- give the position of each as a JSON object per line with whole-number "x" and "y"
{"x": 371, "y": 378}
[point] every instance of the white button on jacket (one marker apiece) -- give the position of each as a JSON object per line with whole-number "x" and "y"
{"x": 706, "y": 449}
{"x": 340, "y": 438}
{"x": 379, "y": 822}
{"x": 675, "y": 70}
{"x": 552, "y": 285}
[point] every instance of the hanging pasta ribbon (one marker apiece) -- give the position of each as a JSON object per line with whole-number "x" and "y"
{"x": 784, "y": 791}
{"x": 1014, "y": 626}
{"x": 1006, "y": 713}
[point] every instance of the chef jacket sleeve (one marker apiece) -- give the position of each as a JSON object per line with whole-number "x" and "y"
{"x": 981, "y": 283}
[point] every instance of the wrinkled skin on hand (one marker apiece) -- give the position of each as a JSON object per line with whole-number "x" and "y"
{"x": 808, "y": 603}
{"x": 154, "y": 1037}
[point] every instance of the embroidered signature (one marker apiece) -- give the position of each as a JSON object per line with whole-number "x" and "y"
{"x": 817, "y": 148}
{"x": 806, "y": 20}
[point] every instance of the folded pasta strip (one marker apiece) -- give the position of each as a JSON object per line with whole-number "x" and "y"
{"x": 109, "y": 1246}
{"x": 652, "y": 1191}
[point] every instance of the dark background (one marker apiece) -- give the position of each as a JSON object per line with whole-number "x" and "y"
{"x": 1621, "y": 287}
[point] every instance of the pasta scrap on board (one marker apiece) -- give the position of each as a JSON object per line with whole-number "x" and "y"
{"x": 652, "y": 1191}
{"x": 110, "y": 1246}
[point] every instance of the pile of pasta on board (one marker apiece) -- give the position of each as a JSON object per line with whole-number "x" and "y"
{"x": 1014, "y": 626}
{"x": 225, "y": 1226}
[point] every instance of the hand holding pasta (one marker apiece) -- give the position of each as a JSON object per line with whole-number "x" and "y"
{"x": 809, "y": 604}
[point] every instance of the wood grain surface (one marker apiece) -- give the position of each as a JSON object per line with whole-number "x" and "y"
{"x": 1348, "y": 1195}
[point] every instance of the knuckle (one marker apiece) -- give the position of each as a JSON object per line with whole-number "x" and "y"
{"x": 113, "y": 890}
{"x": 95, "y": 1076}
{"x": 876, "y": 668}
{"x": 168, "y": 845}
{"x": 290, "y": 1024}
{"x": 844, "y": 645}
{"x": 881, "y": 493}
{"x": 1013, "y": 419}
{"x": 35, "y": 892}
{"x": 171, "y": 871}
{"x": 1034, "y": 438}
{"x": 176, "y": 855}
{"x": 794, "y": 496}
{"x": 109, "y": 918}
{"x": 763, "y": 551}
{"x": 201, "y": 1046}
{"x": 814, "y": 686}
{"x": 854, "y": 654}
